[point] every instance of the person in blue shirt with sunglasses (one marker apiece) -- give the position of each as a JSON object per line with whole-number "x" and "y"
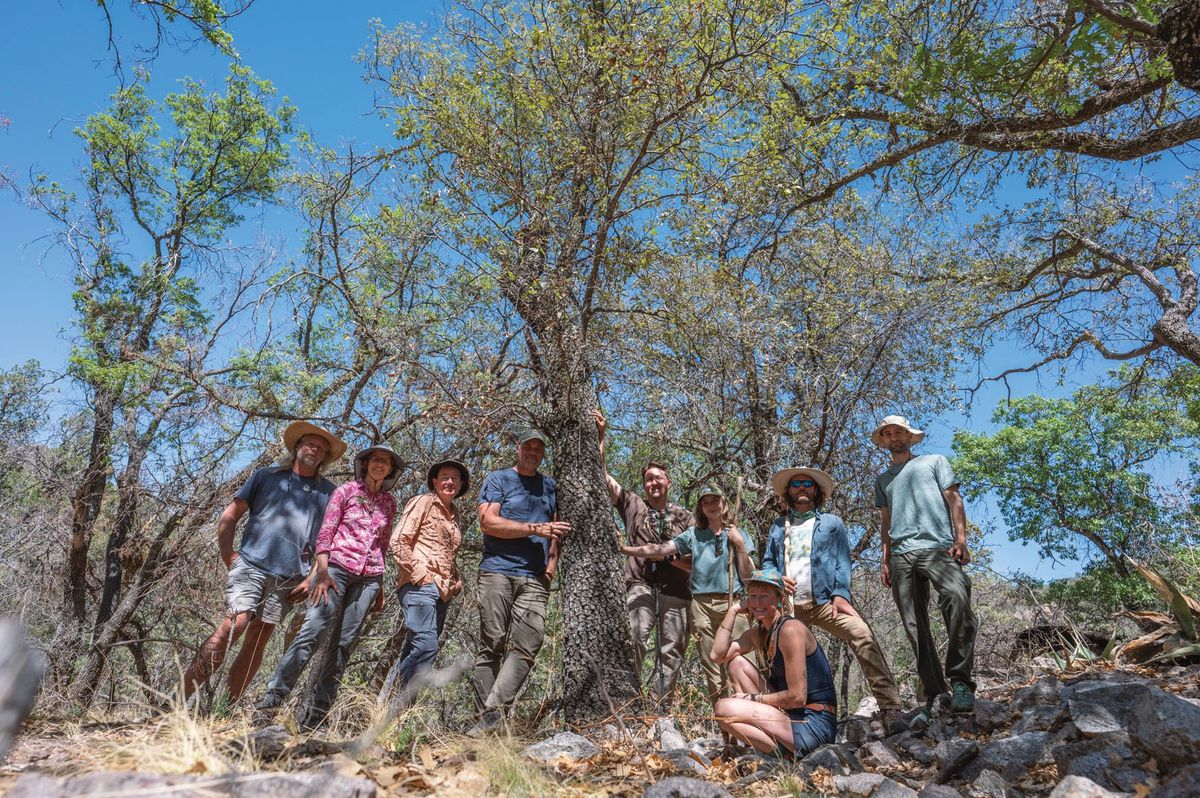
{"x": 810, "y": 549}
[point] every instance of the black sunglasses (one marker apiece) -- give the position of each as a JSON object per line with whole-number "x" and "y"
{"x": 802, "y": 483}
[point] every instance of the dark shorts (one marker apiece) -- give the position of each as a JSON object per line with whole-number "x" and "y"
{"x": 815, "y": 729}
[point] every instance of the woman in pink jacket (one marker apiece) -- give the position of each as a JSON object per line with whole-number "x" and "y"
{"x": 347, "y": 580}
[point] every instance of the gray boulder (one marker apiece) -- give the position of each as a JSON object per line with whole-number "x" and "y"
{"x": 669, "y": 737}
{"x": 564, "y": 745}
{"x": 1160, "y": 723}
{"x": 990, "y": 715}
{"x": 684, "y": 787}
{"x": 938, "y": 791}
{"x": 1011, "y": 757}
{"x": 1040, "y": 717}
{"x": 854, "y": 730}
{"x": 1183, "y": 783}
{"x": 874, "y": 785}
{"x": 914, "y": 747}
{"x": 1079, "y": 787}
{"x": 876, "y": 755}
{"x": 989, "y": 784}
{"x": 1046, "y": 690}
{"x": 837, "y": 759}
{"x": 953, "y": 756}
{"x": 687, "y": 760}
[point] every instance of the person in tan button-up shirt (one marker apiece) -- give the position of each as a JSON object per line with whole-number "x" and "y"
{"x": 424, "y": 544}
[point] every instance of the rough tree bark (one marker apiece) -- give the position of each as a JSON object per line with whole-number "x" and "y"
{"x": 599, "y": 673}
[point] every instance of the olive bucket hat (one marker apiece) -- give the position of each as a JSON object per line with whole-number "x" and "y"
{"x": 462, "y": 470}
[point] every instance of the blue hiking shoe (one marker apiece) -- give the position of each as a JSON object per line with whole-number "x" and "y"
{"x": 962, "y": 699}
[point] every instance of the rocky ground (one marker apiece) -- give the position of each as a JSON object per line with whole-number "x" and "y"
{"x": 1087, "y": 734}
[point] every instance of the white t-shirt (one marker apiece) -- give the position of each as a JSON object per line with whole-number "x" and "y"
{"x": 799, "y": 539}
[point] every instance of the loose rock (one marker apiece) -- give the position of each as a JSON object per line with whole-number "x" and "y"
{"x": 1079, "y": 787}
{"x": 564, "y": 745}
{"x": 684, "y": 787}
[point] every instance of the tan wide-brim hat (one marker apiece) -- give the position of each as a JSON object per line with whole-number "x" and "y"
{"x": 899, "y": 421}
{"x": 781, "y": 479}
{"x": 360, "y": 466}
{"x": 298, "y": 429}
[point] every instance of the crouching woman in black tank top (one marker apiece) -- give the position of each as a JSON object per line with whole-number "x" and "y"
{"x": 791, "y": 708}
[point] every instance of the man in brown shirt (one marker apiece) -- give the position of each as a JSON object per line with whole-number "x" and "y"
{"x": 656, "y": 594}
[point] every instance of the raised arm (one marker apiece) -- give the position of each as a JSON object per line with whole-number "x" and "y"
{"x": 724, "y": 647}
{"x": 614, "y": 487}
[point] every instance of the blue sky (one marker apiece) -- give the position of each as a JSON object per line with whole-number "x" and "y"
{"x": 55, "y": 71}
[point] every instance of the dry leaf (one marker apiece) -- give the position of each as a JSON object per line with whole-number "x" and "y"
{"x": 387, "y": 776}
{"x": 427, "y": 758}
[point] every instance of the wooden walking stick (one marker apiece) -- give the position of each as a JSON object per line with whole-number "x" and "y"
{"x": 737, "y": 509}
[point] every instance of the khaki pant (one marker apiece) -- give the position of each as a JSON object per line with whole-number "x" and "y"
{"x": 708, "y": 611}
{"x": 858, "y": 636}
{"x": 512, "y": 624}
{"x": 912, "y": 574}
{"x": 670, "y": 620}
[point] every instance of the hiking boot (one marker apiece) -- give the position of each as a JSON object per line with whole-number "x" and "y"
{"x": 963, "y": 698}
{"x": 489, "y": 721}
{"x": 892, "y": 721}
{"x": 919, "y": 721}
{"x": 272, "y": 699}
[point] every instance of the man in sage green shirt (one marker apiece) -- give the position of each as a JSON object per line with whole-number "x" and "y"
{"x": 924, "y": 534}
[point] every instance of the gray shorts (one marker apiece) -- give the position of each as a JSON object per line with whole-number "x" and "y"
{"x": 250, "y": 589}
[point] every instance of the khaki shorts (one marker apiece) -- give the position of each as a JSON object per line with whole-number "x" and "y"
{"x": 250, "y": 589}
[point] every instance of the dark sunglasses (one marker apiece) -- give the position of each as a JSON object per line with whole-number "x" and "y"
{"x": 802, "y": 483}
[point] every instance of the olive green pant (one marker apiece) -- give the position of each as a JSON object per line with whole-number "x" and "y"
{"x": 512, "y": 625}
{"x": 708, "y": 610}
{"x": 912, "y": 573}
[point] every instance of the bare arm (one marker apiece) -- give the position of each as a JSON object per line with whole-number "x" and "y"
{"x": 745, "y": 565}
{"x": 794, "y": 641}
{"x": 651, "y": 551}
{"x": 227, "y": 526}
{"x": 958, "y": 519}
{"x": 496, "y": 525}
{"x": 614, "y": 487}
{"x": 885, "y": 540}
{"x": 724, "y": 647}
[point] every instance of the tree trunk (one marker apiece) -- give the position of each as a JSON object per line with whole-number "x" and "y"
{"x": 127, "y": 504}
{"x": 599, "y": 672}
{"x": 85, "y": 509}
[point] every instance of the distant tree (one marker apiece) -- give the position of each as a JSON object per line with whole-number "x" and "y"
{"x": 146, "y": 232}
{"x": 1073, "y": 475}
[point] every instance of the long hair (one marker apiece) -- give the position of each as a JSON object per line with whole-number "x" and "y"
{"x": 785, "y": 502}
{"x": 289, "y": 460}
{"x": 702, "y": 521}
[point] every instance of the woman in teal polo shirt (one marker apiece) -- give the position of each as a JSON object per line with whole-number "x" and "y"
{"x": 718, "y": 549}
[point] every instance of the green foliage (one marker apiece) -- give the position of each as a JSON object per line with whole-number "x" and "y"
{"x": 1066, "y": 471}
{"x": 1098, "y": 593}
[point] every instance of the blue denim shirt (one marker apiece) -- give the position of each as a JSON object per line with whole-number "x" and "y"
{"x": 830, "y": 556}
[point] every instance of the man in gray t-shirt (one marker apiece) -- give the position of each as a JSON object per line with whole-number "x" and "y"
{"x": 286, "y": 504}
{"x": 924, "y": 535}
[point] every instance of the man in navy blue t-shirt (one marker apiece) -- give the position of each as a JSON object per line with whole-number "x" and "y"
{"x": 517, "y": 508}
